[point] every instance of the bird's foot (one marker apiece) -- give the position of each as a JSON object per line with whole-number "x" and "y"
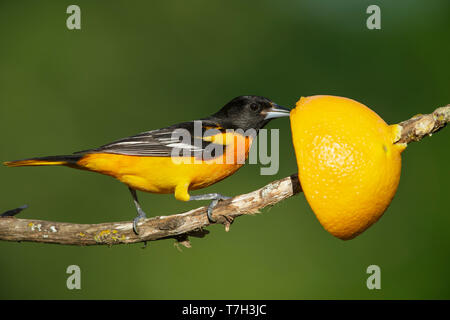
{"x": 141, "y": 215}
{"x": 215, "y": 197}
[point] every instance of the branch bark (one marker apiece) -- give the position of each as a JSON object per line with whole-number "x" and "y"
{"x": 190, "y": 223}
{"x": 178, "y": 226}
{"x": 422, "y": 125}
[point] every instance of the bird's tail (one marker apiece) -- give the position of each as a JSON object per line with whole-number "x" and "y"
{"x": 68, "y": 160}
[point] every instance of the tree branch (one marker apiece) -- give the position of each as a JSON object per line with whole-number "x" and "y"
{"x": 421, "y": 125}
{"x": 191, "y": 223}
{"x": 178, "y": 226}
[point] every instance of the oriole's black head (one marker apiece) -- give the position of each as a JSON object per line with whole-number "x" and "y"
{"x": 246, "y": 112}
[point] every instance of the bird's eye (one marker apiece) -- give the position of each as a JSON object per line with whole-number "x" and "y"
{"x": 254, "y": 107}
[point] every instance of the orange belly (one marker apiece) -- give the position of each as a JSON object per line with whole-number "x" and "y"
{"x": 162, "y": 174}
{"x": 157, "y": 174}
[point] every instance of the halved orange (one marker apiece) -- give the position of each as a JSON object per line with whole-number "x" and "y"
{"x": 349, "y": 167}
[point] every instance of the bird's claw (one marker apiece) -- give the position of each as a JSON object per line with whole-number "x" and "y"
{"x": 212, "y": 205}
{"x": 136, "y": 220}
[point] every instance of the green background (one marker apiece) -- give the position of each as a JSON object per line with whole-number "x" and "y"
{"x": 140, "y": 65}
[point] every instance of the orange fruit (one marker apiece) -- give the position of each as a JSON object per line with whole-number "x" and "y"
{"x": 349, "y": 168}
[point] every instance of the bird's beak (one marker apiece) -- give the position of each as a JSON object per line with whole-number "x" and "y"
{"x": 277, "y": 112}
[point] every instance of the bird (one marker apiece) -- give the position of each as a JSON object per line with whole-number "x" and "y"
{"x": 179, "y": 158}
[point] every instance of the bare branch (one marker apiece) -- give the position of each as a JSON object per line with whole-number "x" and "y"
{"x": 422, "y": 125}
{"x": 191, "y": 223}
{"x": 178, "y": 226}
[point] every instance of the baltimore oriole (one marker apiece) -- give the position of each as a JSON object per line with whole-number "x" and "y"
{"x": 145, "y": 161}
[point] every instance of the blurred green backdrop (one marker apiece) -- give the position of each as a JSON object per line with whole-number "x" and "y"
{"x": 141, "y": 65}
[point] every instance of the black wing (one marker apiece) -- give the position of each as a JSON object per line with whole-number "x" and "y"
{"x": 162, "y": 142}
